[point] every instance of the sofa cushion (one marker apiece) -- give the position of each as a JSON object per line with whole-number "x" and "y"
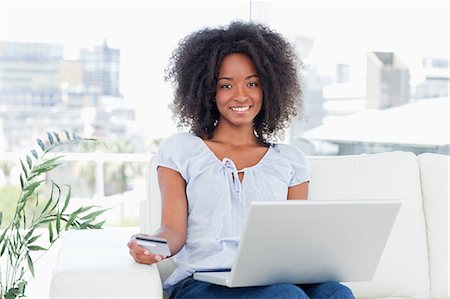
{"x": 97, "y": 264}
{"x": 435, "y": 183}
{"x": 403, "y": 268}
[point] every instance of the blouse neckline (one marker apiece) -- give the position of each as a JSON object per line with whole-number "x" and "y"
{"x": 261, "y": 161}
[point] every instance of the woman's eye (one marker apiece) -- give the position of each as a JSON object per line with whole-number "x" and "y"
{"x": 225, "y": 86}
{"x": 252, "y": 84}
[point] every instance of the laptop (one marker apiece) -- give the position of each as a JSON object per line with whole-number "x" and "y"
{"x": 309, "y": 241}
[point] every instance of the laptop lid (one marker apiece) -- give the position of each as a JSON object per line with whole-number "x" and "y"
{"x": 312, "y": 241}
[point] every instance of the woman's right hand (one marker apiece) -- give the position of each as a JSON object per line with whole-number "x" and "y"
{"x": 173, "y": 215}
{"x": 142, "y": 255}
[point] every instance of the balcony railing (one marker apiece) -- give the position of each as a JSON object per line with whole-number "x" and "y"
{"x": 100, "y": 161}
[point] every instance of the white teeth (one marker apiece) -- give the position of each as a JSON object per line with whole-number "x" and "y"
{"x": 240, "y": 109}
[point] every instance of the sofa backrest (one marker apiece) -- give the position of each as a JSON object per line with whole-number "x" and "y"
{"x": 434, "y": 173}
{"x": 403, "y": 270}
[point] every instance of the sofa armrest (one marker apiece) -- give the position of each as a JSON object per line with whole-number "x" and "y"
{"x": 144, "y": 217}
{"x": 96, "y": 263}
{"x": 434, "y": 173}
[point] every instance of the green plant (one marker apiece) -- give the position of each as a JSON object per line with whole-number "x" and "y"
{"x": 18, "y": 241}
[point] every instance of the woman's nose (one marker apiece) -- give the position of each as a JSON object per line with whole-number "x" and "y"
{"x": 241, "y": 94}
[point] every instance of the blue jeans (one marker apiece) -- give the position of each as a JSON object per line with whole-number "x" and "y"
{"x": 190, "y": 288}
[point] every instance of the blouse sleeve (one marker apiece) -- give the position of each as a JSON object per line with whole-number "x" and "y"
{"x": 299, "y": 164}
{"x": 170, "y": 154}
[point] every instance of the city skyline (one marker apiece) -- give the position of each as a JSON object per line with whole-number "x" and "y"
{"x": 145, "y": 53}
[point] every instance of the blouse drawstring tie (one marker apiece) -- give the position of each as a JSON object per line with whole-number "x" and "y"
{"x": 233, "y": 173}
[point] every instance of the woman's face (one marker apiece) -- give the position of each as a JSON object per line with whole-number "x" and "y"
{"x": 238, "y": 90}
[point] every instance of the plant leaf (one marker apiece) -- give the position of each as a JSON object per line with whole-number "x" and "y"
{"x": 50, "y": 138}
{"x": 33, "y": 185}
{"x": 24, "y": 169}
{"x": 2, "y": 238}
{"x": 49, "y": 200}
{"x": 49, "y": 218}
{"x": 12, "y": 293}
{"x": 18, "y": 215}
{"x": 44, "y": 167}
{"x": 71, "y": 219}
{"x": 34, "y": 153}
{"x": 5, "y": 242}
{"x": 37, "y": 203}
{"x": 29, "y": 190}
{"x": 36, "y": 248}
{"x": 86, "y": 224}
{"x": 99, "y": 225}
{"x": 66, "y": 202}
{"x": 41, "y": 144}
{"x": 29, "y": 162}
{"x": 84, "y": 209}
{"x": 49, "y": 161}
{"x": 93, "y": 214}
{"x": 33, "y": 239}
{"x": 50, "y": 232}
{"x": 76, "y": 213}
{"x": 30, "y": 264}
{"x": 21, "y": 181}
{"x": 21, "y": 287}
{"x": 22, "y": 272}
{"x": 57, "y": 197}
{"x": 57, "y": 137}
{"x": 58, "y": 222}
{"x": 67, "y": 135}
{"x": 30, "y": 232}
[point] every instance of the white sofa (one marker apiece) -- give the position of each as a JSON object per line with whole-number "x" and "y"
{"x": 415, "y": 262}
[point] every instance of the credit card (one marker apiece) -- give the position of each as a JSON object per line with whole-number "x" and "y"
{"x": 153, "y": 245}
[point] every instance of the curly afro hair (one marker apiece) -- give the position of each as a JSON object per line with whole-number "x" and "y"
{"x": 193, "y": 70}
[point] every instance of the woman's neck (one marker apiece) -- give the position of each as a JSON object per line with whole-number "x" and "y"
{"x": 237, "y": 136}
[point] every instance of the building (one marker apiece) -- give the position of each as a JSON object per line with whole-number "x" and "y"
{"x": 30, "y": 74}
{"x": 313, "y": 83}
{"x": 71, "y": 84}
{"x": 71, "y": 74}
{"x": 40, "y": 91}
{"x": 437, "y": 78}
{"x": 343, "y": 98}
{"x": 387, "y": 81}
{"x": 342, "y": 73}
{"x": 304, "y": 45}
{"x": 419, "y": 127}
{"x": 101, "y": 70}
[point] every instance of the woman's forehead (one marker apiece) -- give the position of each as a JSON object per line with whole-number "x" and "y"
{"x": 237, "y": 63}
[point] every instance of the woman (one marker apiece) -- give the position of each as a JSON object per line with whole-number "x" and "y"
{"x": 236, "y": 88}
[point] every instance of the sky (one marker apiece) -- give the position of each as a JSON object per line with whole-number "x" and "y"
{"x": 146, "y": 32}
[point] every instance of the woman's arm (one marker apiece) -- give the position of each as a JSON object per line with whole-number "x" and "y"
{"x": 299, "y": 191}
{"x": 174, "y": 208}
{"x": 173, "y": 219}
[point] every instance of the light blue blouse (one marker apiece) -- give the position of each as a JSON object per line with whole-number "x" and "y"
{"x": 218, "y": 203}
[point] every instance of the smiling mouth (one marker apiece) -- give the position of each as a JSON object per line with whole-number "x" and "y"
{"x": 241, "y": 109}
